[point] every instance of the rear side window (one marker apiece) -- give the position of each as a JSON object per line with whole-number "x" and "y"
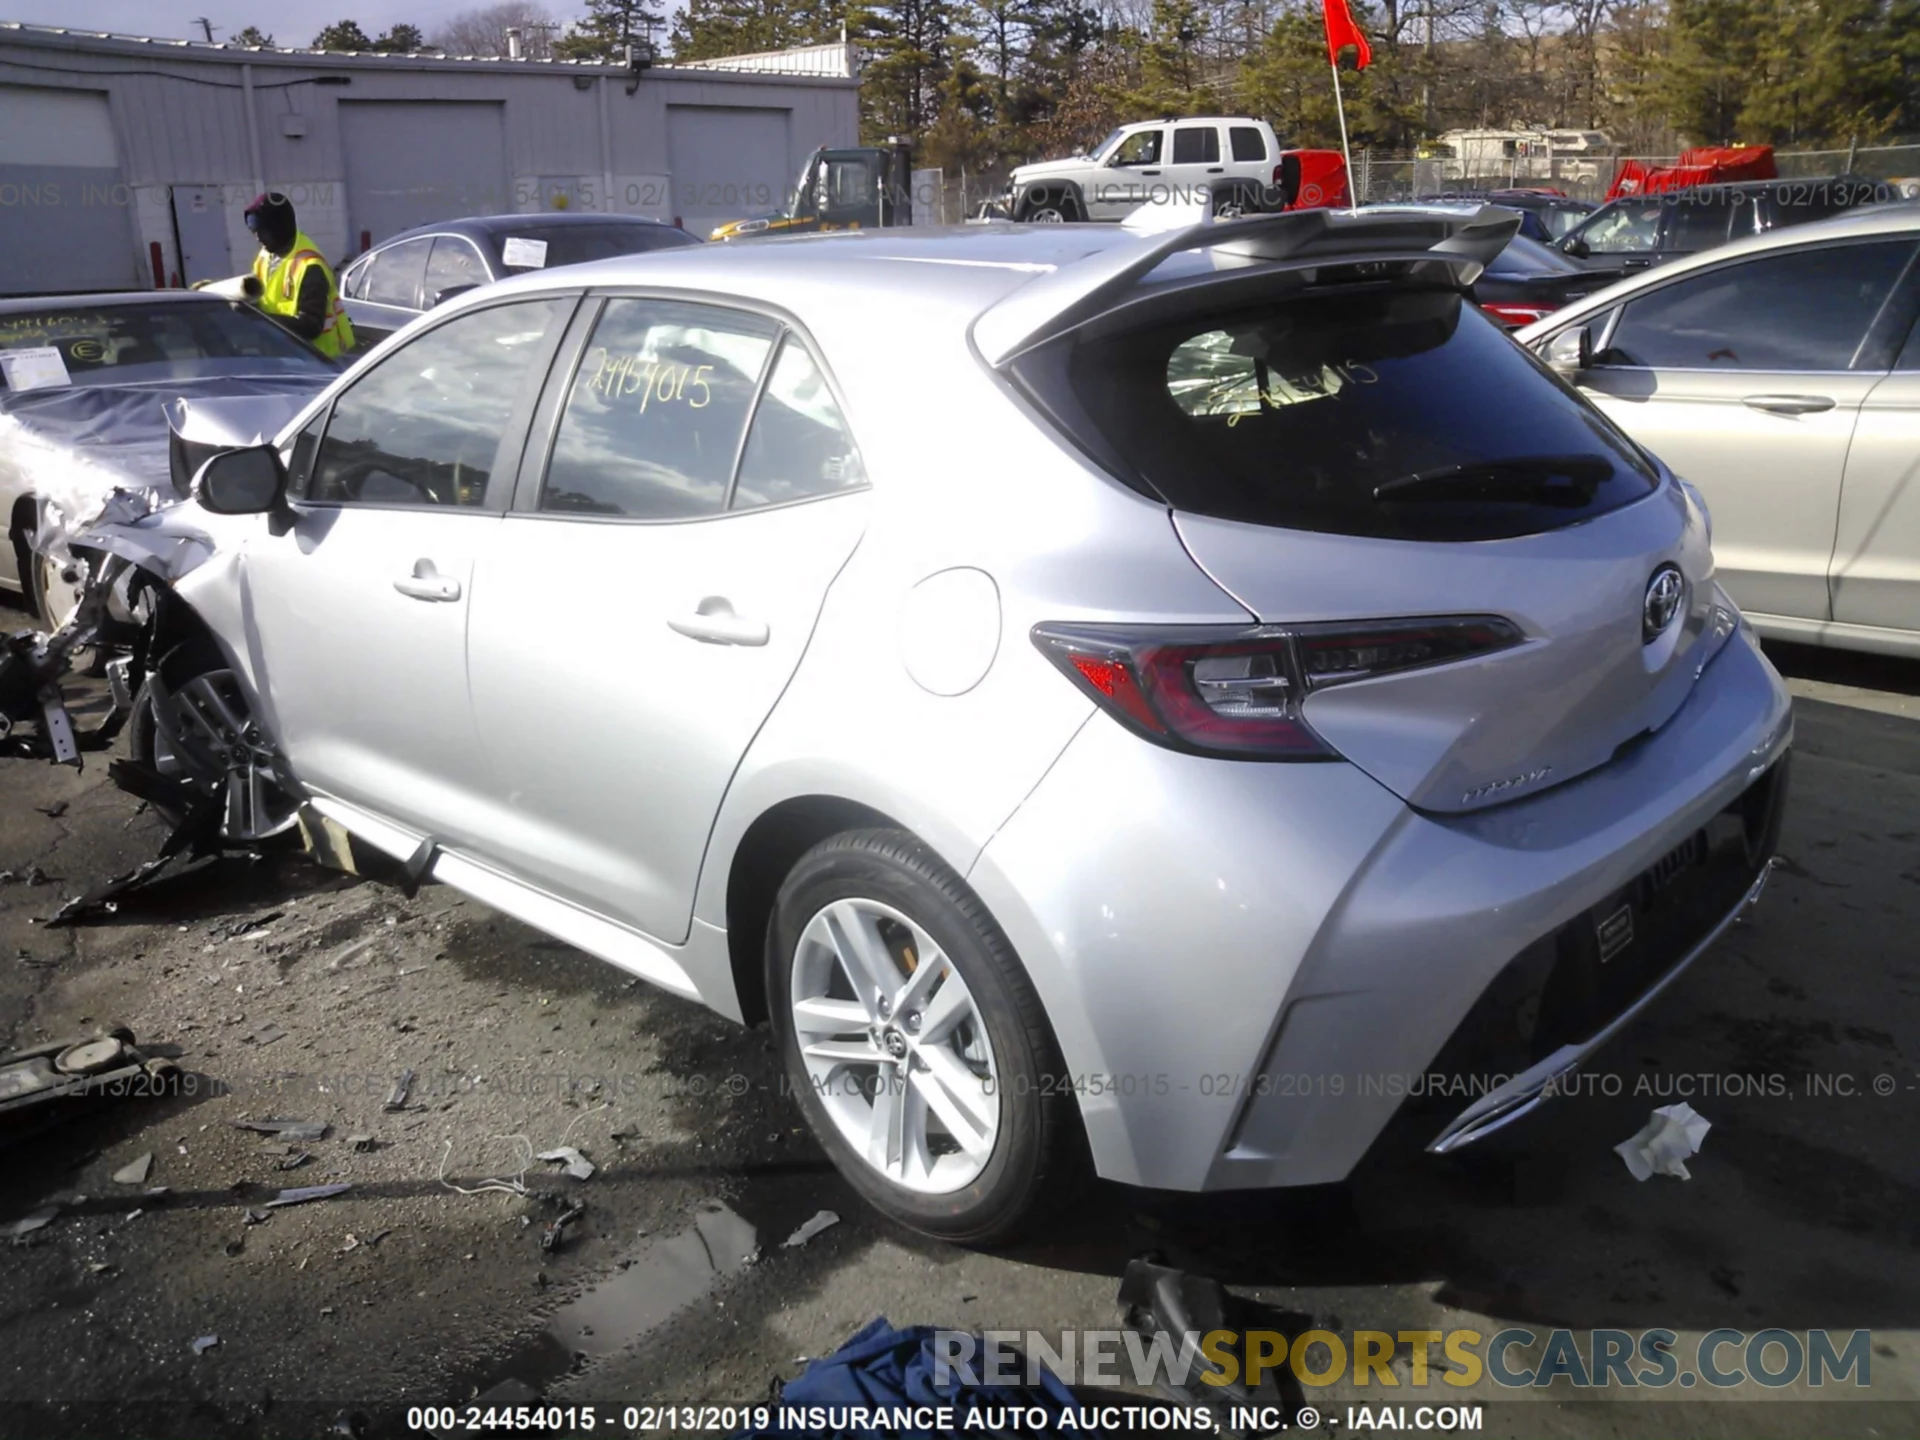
{"x": 656, "y": 412}
{"x": 1385, "y": 411}
{"x": 798, "y": 446}
{"x": 1248, "y": 143}
{"x": 1700, "y": 222}
{"x": 1196, "y": 145}
{"x": 1804, "y": 310}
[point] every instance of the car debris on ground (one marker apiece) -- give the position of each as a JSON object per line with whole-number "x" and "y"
{"x": 136, "y": 1172}
{"x": 1663, "y": 1144}
{"x": 50, "y": 1083}
{"x": 303, "y": 1194}
{"x": 286, "y": 1129}
{"x": 577, "y": 1165}
{"x": 826, "y": 1219}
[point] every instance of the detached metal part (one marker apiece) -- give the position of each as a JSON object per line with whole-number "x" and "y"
{"x": 50, "y": 1083}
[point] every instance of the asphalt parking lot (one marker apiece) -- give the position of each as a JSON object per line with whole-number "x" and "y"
{"x": 286, "y": 991}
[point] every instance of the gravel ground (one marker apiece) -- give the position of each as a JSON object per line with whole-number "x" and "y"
{"x": 286, "y": 991}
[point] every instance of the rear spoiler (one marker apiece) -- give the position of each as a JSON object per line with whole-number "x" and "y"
{"x": 1465, "y": 239}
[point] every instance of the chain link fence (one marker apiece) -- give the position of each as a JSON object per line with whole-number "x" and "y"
{"x": 1387, "y": 176}
{"x": 951, "y": 198}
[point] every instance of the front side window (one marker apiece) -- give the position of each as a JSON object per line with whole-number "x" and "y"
{"x": 1804, "y": 310}
{"x": 656, "y": 411}
{"x": 453, "y": 263}
{"x": 424, "y": 425}
{"x": 1196, "y": 145}
{"x": 394, "y": 277}
{"x": 1140, "y": 148}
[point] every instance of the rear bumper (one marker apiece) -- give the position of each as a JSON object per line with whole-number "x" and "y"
{"x": 1251, "y": 967}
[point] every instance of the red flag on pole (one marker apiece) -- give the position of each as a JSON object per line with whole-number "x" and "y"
{"x": 1342, "y": 32}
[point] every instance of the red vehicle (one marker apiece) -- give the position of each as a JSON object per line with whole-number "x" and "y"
{"x": 1703, "y": 165}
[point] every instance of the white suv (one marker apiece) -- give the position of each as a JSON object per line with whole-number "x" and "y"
{"x": 1152, "y": 161}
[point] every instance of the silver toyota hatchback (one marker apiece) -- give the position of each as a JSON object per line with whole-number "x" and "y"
{"x": 1150, "y": 697}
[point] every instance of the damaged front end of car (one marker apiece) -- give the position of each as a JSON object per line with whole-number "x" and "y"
{"x": 198, "y": 753}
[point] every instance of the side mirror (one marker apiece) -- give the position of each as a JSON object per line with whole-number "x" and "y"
{"x": 1576, "y": 247}
{"x": 440, "y": 297}
{"x": 242, "y": 482}
{"x": 1569, "y": 352}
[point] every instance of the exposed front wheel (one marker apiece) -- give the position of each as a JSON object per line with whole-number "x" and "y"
{"x": 914, "y": 1040}
{"x": 191, "y": 723}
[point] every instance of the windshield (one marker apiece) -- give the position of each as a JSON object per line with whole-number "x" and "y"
{"x": 577, "y": 244}
{"x": 1389, "y": 411}
{"x": 131, "y": 344}
{"x": 1099, "y": 152}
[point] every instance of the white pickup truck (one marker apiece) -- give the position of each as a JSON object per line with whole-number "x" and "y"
{"x": 1154, "y": 160}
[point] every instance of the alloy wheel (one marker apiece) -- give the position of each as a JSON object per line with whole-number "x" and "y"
{"x": 894, "y": 1046}
{"x": 205, "y": 733}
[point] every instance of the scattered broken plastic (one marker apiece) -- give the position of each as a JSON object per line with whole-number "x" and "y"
{"x": 38, "y": 1220}
{"x": 305, "y": 1193}
{"x": 1665, "y": 1142}
{"x": 578, "y": 1165}
{"x": 205, "y": 1343}
{"x": 826, "y": 1219}
{"x": 286, "y": 1129}
{"x": 134, "y": 1173}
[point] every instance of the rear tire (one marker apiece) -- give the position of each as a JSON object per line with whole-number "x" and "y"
{"x": 939, "y": 1094}
{"x": 1049, "y": 207}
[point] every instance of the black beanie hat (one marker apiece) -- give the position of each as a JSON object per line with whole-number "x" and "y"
{"x": 270, "y": 216}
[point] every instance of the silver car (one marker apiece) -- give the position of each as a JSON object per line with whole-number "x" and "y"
{"x": 1156, "y": 698}
{"x": 1781, "y": 375}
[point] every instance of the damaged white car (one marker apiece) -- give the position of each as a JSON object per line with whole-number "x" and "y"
{"x": 1102, "y": 696}
{"x": 88, "y": 384}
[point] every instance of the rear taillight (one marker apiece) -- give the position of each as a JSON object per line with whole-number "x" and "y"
{"x": 1513, "y": 315}
{"x": 1233, "y": 691}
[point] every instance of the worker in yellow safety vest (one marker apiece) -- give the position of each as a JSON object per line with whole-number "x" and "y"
{"x": 297, "y": 285}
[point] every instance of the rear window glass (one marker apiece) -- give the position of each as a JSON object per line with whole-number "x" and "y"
{"x": 577, "y": 244}
{"x": 1248, "y": 143}
{"x": 176, "y": 340}
{"x": 1387, "y": 411}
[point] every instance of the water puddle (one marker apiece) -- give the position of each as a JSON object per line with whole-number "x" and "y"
{"x": 662, "y": 1278}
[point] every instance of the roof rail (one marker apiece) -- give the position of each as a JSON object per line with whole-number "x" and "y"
{"x": 1071, "y": 295}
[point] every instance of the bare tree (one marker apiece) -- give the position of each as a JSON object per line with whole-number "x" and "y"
{"x": 484, "y": 31}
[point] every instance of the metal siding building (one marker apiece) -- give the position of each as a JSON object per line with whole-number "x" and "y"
{"x": 115, "y": 150}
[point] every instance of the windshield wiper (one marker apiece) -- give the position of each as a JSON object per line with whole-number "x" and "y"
{"x": 1567, "y": 481}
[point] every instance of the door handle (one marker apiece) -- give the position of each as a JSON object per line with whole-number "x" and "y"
{"x": 1149, "y": 172}
{"x": 714, "y": 623}
{"x": 1217, "y": 170}
{"x": 1789, "y": 404}
{"x": 427, "y": 583}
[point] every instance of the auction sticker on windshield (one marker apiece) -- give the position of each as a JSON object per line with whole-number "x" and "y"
{"x": 527, "y": 254}
{"x": 36, "y": 367}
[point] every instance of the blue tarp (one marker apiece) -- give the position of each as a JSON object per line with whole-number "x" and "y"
{"x": 882, "y": 1368}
